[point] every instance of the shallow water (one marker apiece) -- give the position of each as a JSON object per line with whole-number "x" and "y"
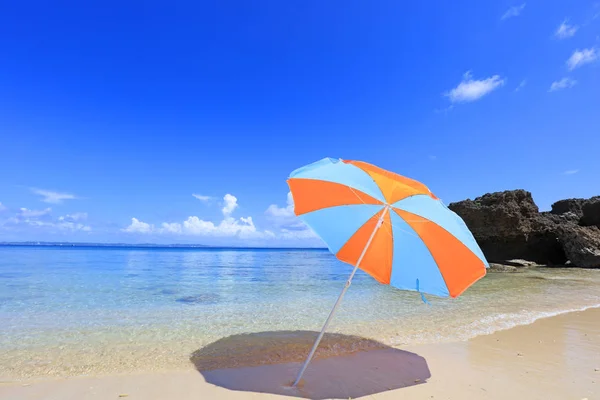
{"x": 74, "y": 311}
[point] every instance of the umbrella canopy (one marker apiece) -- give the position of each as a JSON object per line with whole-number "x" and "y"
{"x": 417, "y": 243}
{"x": 390, "y": 226}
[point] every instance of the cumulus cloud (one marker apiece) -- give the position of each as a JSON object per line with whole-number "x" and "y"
{"x": 288, "y": 226}
{"x": 53, "y": 197}
{"x": 194, "y": 226}
{"x": 581, "y": 57}
{"x": 138, "y": 226}
{"x": 284, "y": 218}
{"x": 282, "y": 212}
{"x": 565, "y": 30}
{"x": 201, "y": 197}
{"x": 72, "y": 226}
{"x": 230, "y": 204}
{"x": 26, "y": 213}
{"x": 470, "y": 89}
{"x": 79, "y": 216}
{"x": 25, "y": 217}
{"x": 514, "y": 11}
{"x": 173, "y": 227}
{"x": 564, "y": 83}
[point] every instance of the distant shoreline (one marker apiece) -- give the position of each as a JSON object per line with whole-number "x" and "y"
{"x": 151, "y": 246}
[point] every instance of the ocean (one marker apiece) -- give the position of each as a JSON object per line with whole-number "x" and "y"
{"x": 68, "y": 311}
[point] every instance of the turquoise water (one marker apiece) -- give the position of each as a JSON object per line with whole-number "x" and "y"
{"x": 73, "y": 311}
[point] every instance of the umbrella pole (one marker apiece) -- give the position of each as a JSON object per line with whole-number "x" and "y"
{"x": 339, "y": 300}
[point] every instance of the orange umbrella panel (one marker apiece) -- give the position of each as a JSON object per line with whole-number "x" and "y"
{"x": 418, "y": 243}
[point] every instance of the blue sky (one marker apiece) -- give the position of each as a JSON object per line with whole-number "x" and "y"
{"x": 111, "y": 111}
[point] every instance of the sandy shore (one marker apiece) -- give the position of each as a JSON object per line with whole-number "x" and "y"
{"x": 554, "y": 358}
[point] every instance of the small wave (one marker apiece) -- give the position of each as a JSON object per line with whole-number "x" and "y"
{"x": 484, "y": 326}
{"x": 559, "y": 278}
{"x": 500, "y": 322}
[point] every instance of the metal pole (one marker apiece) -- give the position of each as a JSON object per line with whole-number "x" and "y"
{"x": 339, "y": 300}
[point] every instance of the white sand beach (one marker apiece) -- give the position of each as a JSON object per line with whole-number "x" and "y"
{"x": 553, "y": 358}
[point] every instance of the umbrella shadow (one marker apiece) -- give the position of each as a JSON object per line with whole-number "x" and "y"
{"x": 344, "y": 366}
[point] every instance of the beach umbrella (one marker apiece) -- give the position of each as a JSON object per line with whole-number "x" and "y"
{"x": 390, "y": 226}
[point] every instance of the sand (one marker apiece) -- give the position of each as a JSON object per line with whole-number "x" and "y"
{"x": 553, "y": 358}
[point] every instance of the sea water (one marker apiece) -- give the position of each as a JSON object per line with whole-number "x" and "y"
{"x": 89, "y": 310}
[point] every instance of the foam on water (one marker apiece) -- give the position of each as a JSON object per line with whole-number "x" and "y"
{"x": 88, "y": 311}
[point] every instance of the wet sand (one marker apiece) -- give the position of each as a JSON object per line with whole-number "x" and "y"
{"x": 553, "y": 358}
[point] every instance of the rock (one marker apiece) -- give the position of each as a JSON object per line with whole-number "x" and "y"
{"x": 494, "y": 267}
{"x": 572, "y": 206}
{"x": 561, "y": 218}
{"x": 585, "y": 212}
{"x": 521, "y": 263}
{"x": 591, "y": 212}
{"x": 508, "y": 225}
{"x": 581, "y": 245}
{"x": 512, "y": 232}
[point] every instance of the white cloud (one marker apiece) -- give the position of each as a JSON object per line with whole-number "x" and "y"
{"x": 581, "y": 57}
{"x": 138, "y": 226}
{"x": 571, "y": 172}
{"x": 2, "y": 207}
{"x": 79, "y": 216}
{"x": 282, "y": 212}
{"x": 194, "y": 226}
{"x": 50, "y": 196}
{"x": 470, "y": 90}
{"x": 284, "y": 217}
{"x": 173, "y": 227}
{"x": 201, "y": 197}
{"x": 244, "y": 227}
{"x": 432, "y": 157}
{"x": 521, "y": 85}
{"x": 289, "y": 227}
{"x": 230, "y": 204}
{"x": 26, "y": 213}
{"x": 564, "y": 83}
{"x": 43, "y": 219}
{"x": 514, "y": 11}
{"x": 72, "y": 226}
{"x": 565, "y": 30}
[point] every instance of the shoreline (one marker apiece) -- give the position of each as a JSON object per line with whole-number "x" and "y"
{"x": 551, "y": 358}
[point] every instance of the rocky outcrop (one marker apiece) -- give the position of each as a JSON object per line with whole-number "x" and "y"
{"x": 503, "y": 268}
{"x": 581, "y": 245}
{"x": 585, "y": 212}
{"x": 574, "y": 206}
{"x": 508, "y": 225}
{"x": 591, "y": 212}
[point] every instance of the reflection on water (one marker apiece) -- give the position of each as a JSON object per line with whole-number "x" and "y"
{"x": 114, "y": 309}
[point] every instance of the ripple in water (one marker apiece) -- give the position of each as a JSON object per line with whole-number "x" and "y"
{"x": 78, "y": 311}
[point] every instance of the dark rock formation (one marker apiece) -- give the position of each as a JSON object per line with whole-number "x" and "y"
{"x": 582, "y": 245}
{"x": 508, "y": 225}
{"x": 502, "y": 268}
{"x": 591, "y": 212}
{"x": 574, "y": 206}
